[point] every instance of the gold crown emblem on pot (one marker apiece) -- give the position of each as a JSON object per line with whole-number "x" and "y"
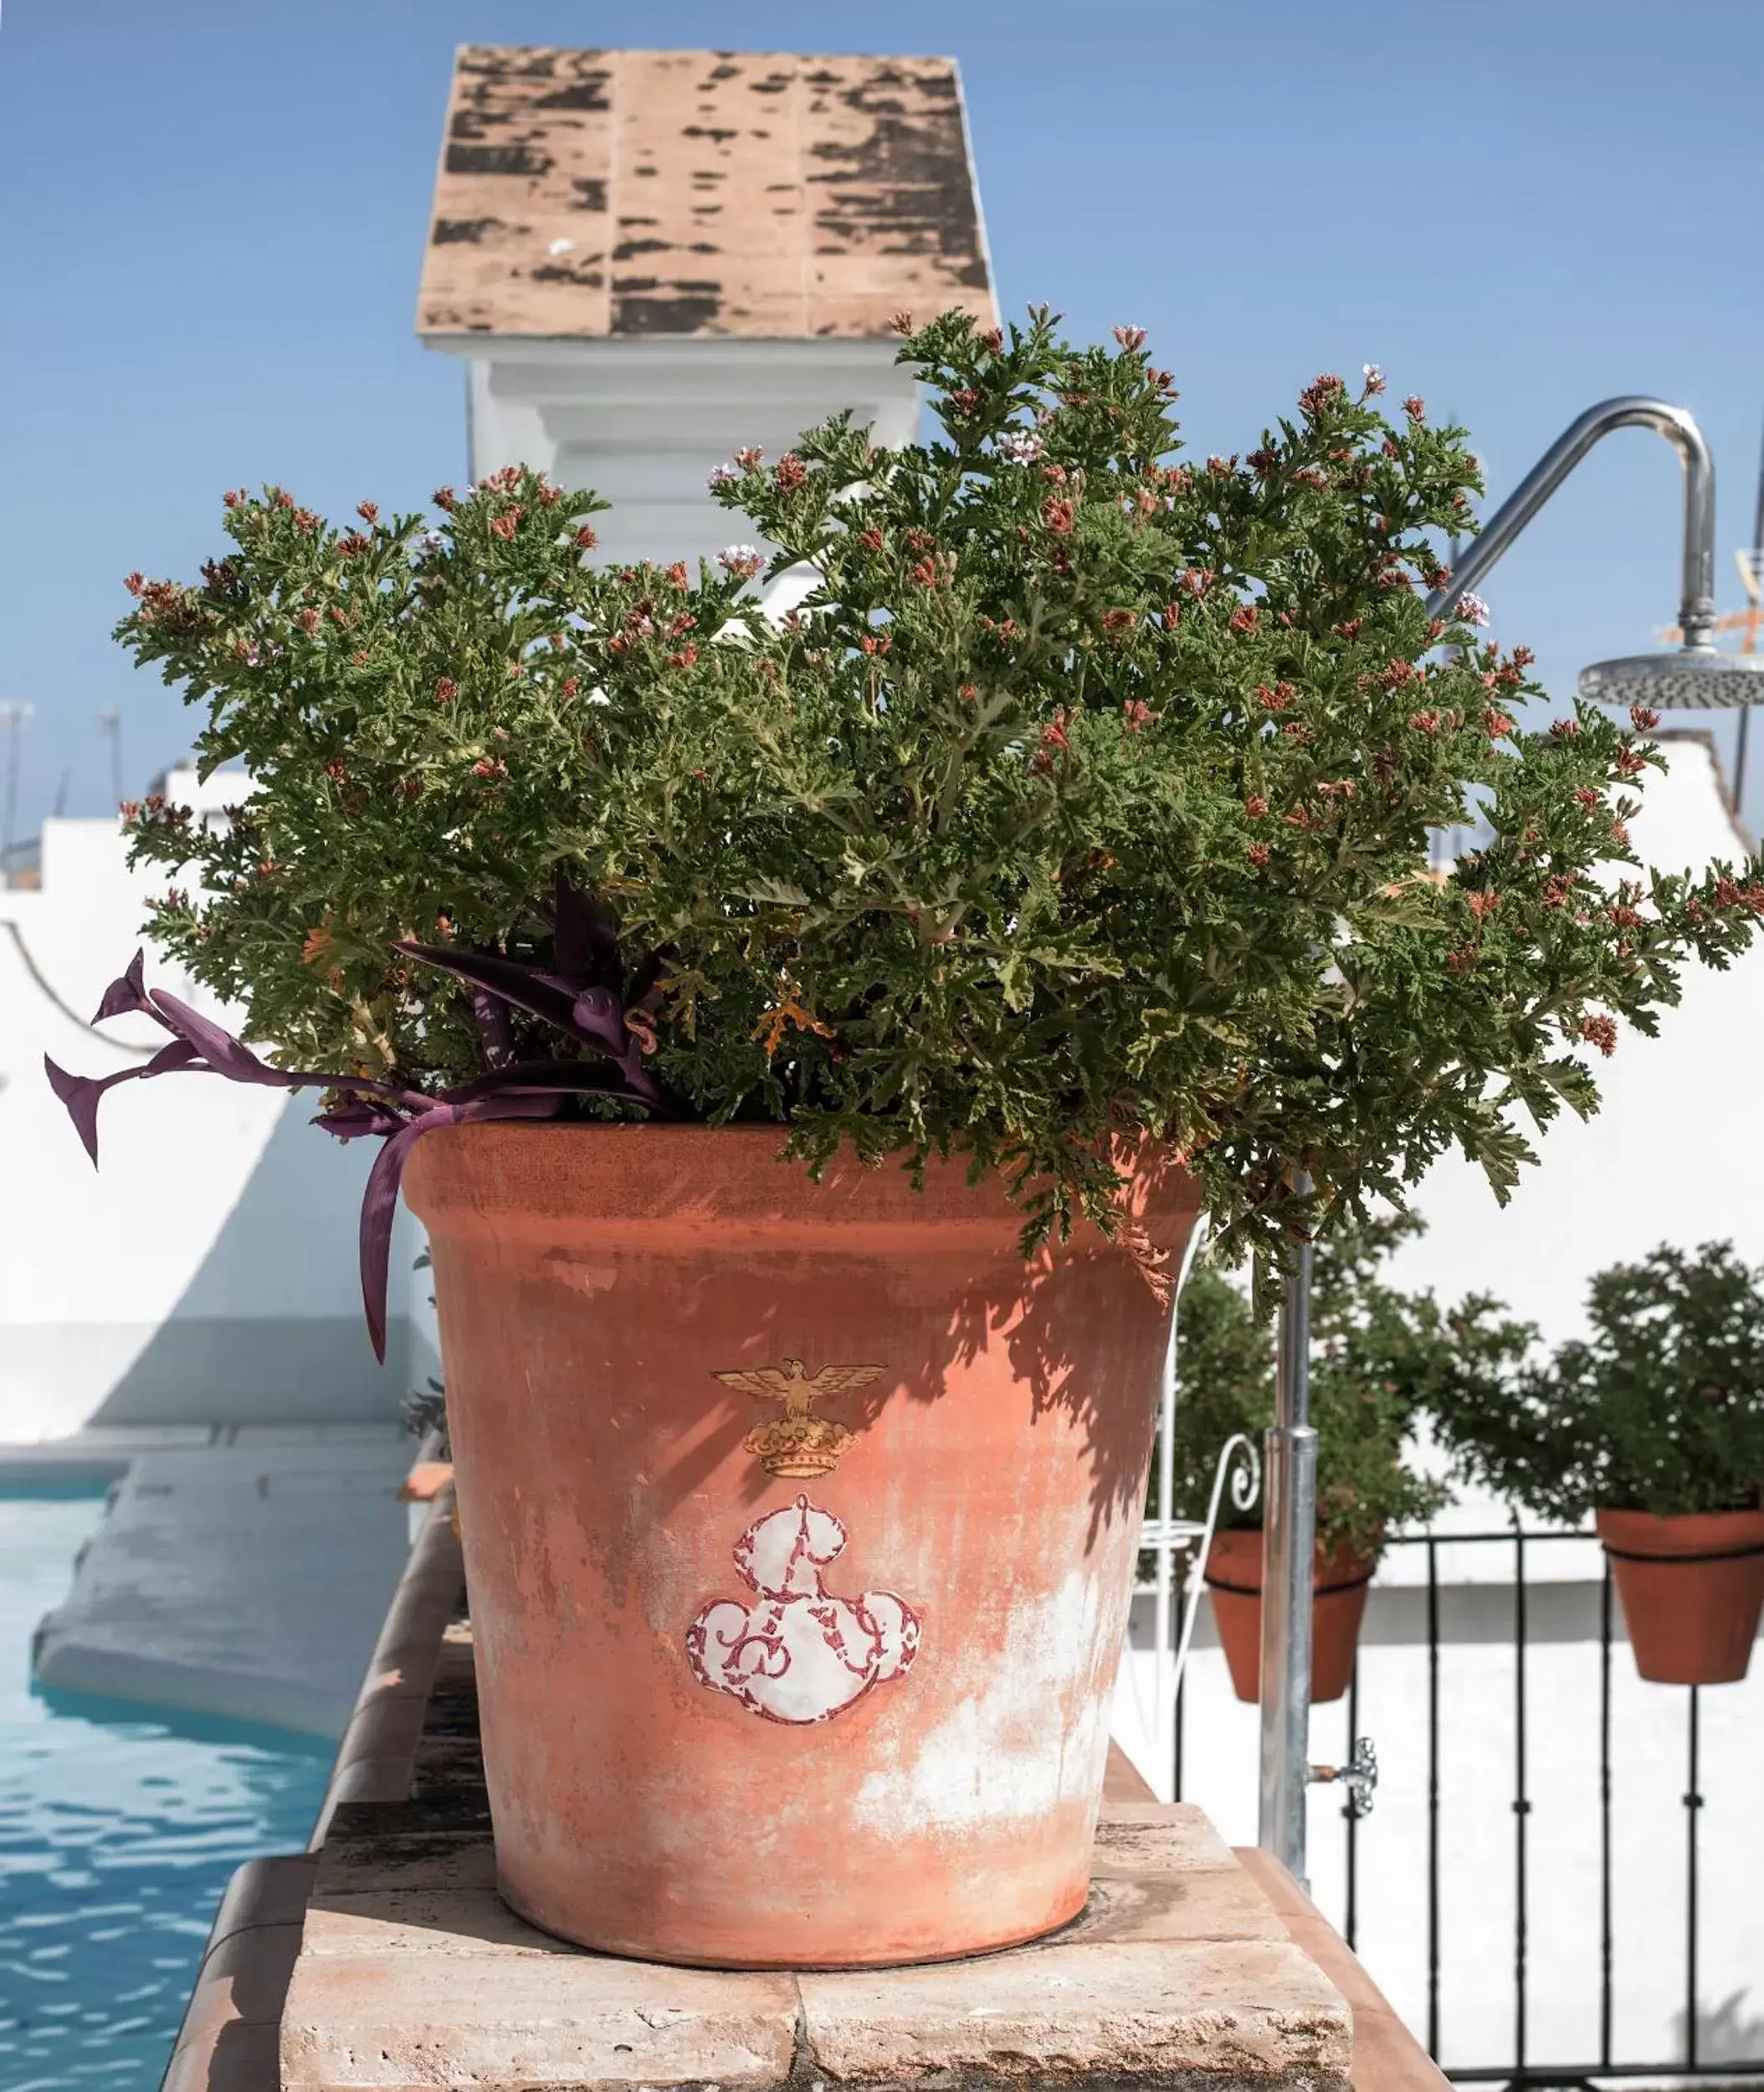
{"x": 799, "y": 1443}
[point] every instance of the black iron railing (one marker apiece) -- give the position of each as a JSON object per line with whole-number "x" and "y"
{"x": 1523, "y": 2070}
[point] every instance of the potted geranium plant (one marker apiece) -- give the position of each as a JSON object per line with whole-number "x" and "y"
{"x": 1379, "y": 1357}
{"x": 1063, "y": 853}
{"x": 1653, "y": 1424}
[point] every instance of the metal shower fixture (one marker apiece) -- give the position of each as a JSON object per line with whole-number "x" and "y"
{"x": 1695, "y": 677}
{"x": 1699, "y": 680}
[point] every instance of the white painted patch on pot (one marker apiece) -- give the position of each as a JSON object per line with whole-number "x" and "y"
{"x": 989, "y": 1760}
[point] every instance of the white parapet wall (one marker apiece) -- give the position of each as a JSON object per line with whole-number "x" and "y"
{"x": 206, "y": 1275}
{"x": 1677, "y": 1152}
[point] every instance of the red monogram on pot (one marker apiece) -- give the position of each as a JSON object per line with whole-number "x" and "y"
{"x": 799, "y": 1654}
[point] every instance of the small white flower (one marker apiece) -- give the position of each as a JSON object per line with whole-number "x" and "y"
{"x": 739, "y": 559}
{"x": 1022, "y": 446}
{"x": 1373, "y": 375}
{"x": 725, "y": 476}
{"x": 1472, "y": 610}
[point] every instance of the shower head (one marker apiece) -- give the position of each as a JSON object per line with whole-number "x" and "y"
{"x": 1696, "y": 679}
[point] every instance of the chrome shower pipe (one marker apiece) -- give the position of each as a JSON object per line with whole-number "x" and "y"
{"x": 1696, "y": 607}
{"x": 1288, "y": 1551}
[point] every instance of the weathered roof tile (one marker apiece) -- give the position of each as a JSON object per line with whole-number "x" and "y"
{"x": 642, "y": 192}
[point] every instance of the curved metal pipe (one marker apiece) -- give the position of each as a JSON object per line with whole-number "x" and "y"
{"x": 1696, "y": 607}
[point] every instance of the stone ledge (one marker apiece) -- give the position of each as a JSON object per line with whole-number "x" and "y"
{"x": 414, "y": 1973}
{"x": 559, "y": 2022}
{"x": 1388, "y": 2057}
{"x": 1193, "y": 1968}
{"x": 418, "y": 1666}
{"x": 227, "y": 2042}
{"x": 1179, "y": 1975}
{"x": 1092, "y": 2012}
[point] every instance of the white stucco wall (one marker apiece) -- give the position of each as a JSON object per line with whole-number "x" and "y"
{"x": 643, "y": 422}
{"x": 207, "y": 1274}
{"x": 1676, "y": 1154}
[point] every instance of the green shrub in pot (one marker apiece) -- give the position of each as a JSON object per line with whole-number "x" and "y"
{"x": 1088, "y": 792}
{"x": 1381, "y": 1358}
{"x": 1652, "y": 1424}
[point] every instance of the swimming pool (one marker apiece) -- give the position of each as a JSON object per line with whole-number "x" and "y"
{"x": 119, "y": 1828}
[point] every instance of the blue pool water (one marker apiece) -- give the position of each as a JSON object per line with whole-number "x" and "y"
{"x": 118, "y": 1832}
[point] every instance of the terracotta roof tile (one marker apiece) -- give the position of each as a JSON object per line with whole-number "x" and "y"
{"x": 638, "y": 192}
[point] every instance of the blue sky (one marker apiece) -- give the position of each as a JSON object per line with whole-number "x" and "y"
{"x": 214, "y": 217}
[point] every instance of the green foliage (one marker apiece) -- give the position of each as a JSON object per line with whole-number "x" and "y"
{"x": 1088, "y": 792}
{"x": 1660, "y": 1409}
{"x": 1381, "y": 1359}
{"x": 424, "y": 1411}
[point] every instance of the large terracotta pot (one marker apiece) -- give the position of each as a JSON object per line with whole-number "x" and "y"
{"x": 1338, "y": 1604}
{"x": 800, "y": 1523}
{"x": 1691, "y": 1588}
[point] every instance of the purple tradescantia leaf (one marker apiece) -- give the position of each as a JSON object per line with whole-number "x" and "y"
{"x": 592, "y": 1014}
{"x": 583, "y": 935}
{"x": 380, "y": 1201}
{"x": 379, "y": 1209}
{"x": 223, "y": 1055}
{"x": 364, "y": 1116}
{"x": 529, "y": 1090}
{"x": 551, "y": 1077}
{"x": 82, "y": 1093}
{"x": 599, "y": 1015}
{"x": 542, "y": 994}
{"x": 490, "y": 1013}
{"x": 127, "y": 993}
{"x": 219, "y": 1049}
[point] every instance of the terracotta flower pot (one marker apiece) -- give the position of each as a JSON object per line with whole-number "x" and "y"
{"x": 1691, "y": 1589}
{"x": 800, "y": 1523}
{"x": 1234, "y": 1579}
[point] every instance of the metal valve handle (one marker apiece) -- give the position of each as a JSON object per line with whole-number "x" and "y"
{"x": 1359, "y": 1775}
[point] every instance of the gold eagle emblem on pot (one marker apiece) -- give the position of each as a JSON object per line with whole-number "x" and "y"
{"x": 799, "y": 1443}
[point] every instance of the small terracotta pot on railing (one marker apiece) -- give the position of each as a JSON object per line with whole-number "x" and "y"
{"x": 1338, "y": 1604}
{"x": 1692, "y": 1589}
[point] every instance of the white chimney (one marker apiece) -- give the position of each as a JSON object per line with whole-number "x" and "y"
{"x": 649, "y": 259}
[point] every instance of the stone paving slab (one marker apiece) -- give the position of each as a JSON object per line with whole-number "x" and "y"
{"x": 1229, "y": 2013}
{"x": 1137, "y": 1837}
{"x": 414, "y": 1973}
{"x": 1209, "y": 1904}
{"x": 510, "y": 2024}
{"x": 418, "y": 1859}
